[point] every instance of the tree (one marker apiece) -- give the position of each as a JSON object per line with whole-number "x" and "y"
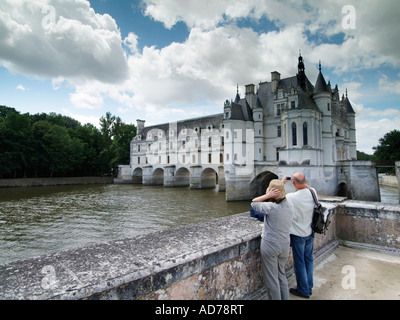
{"x": 365, "y": 156}
{"x": 388, "y": 149}
{"x": 116, "y": 137}
{"x": 44, "y": 145}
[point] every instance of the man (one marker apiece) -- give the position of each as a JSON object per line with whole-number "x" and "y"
{"x": 301, "y": 235}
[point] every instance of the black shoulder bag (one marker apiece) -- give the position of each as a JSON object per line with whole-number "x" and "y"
{"x": 319, "y": 224}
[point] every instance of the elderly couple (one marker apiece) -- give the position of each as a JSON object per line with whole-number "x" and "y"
{"x": 287, "y": 223}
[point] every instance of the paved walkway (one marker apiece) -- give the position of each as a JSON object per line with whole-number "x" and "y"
{"x": 352, "y": 274}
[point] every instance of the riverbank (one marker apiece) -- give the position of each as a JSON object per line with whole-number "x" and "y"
{"x": 389, "y": 181}
{"x": 36, "y": 182}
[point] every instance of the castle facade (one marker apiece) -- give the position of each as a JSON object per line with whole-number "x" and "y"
{"x": 282, "y": 126}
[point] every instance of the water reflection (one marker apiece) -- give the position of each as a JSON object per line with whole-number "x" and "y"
{"x": 36, "y": 221}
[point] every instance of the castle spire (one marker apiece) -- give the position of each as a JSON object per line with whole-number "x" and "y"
{"x": 237, "y": 99}
{"x": 301, "y": 75}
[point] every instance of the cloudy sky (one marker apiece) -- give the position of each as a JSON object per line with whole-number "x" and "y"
{"x": 167, "y": 60}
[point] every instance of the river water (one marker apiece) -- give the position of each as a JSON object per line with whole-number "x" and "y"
{"x": 41, "y": 220}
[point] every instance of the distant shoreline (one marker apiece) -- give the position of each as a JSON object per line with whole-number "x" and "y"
{"x": 389, "y": 181}
{"x": 66, "y": 181}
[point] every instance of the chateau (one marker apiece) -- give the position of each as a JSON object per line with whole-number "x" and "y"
{"x": 279, "y": 127}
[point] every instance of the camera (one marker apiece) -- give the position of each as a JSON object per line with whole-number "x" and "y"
{"x": 289, "y": 177}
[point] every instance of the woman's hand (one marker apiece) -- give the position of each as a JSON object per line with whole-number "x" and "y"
{"x": 273, "y": 193}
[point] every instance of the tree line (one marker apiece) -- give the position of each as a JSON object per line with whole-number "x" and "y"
{"x": 53, "y": 145}
{"x": 387, "y": 152}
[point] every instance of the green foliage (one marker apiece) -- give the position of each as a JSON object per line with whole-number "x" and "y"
{"x": 389, "y": 147}
{"x": 388, "y": 150}
{"x": 52, "y": 145}
{"x": 365, "y": 156}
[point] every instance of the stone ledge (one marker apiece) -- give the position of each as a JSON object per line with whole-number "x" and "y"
{"x": 130, "y": 268}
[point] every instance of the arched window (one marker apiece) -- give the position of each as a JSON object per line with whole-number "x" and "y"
{"x": 305, "y": 134}
{"x": 294, "y": 134}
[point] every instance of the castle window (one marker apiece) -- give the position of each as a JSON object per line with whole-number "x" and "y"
{"x": 279, "y": 131}
{"x": 222, "y": 141}
{"x": 293, "y": 104}
{"x": 209, "y": 158}
{"x": 209, "y": 142}
{"x": 294, "y": 134}
{"x": 305, "y": 134}
{"x": 279, "y": 108}
{"x": 277, "y": 154}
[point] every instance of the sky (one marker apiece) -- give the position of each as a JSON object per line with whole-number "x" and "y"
{"x": 169, "y": 60}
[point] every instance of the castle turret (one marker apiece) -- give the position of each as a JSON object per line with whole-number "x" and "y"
{"x": 322, "y": 98}
{"x": 351, "y": 119}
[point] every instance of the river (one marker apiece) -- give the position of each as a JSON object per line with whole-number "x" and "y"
{"x": 41, "y": 220}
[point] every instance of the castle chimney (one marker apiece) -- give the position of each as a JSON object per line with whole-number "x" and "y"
{"x": 275, "y": 78}
{"x": 140, "y": 126}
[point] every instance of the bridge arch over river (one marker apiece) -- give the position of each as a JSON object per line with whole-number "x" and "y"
{"x": 194, "y": 176}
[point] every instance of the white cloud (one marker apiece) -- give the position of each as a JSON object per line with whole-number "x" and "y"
{"x": 387, "y": 85}
{"x": 83, "y": 49}
{"x": 52, "y": 39}
{"x": 87, "y": 98}
{"x": 83, "y": 119}
{"x": 21, "y": 87}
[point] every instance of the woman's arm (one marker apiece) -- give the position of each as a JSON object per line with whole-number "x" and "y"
{"x": 273, "y": 193}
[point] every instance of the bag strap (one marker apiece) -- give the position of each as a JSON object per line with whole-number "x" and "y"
{"x": 314, "y": 197}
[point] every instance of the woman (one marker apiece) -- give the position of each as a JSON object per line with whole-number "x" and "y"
{"x": 275, "y": 244}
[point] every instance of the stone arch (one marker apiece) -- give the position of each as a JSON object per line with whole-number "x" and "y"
{"x": 158, "y": 177}
{"x": 341, "y": 190}
{"x": 137, "y": 176}
{"x": 259, "y": 184}
{"x": 209, "y": 178}
{"x": 182, "y": 177}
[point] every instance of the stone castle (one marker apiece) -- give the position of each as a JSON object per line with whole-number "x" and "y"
{"x": 285, "y": 126}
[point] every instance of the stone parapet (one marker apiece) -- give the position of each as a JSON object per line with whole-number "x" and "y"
{"x": 218, "y": 259}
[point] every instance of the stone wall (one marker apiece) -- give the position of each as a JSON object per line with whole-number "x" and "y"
{"x": 35, "y": 182}
{"x": 218, "y": 259}
{"x": 369, "y": 224}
